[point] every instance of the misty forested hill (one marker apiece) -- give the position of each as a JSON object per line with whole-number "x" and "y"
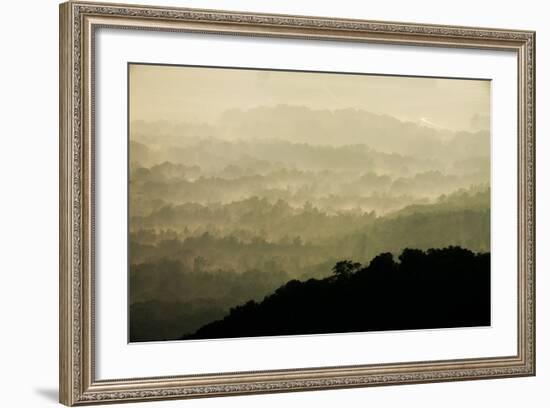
{"x": 438, "y": 288}
{"x": 341, "y": 127}
{"x": 227, "y": 212}
{"x": 254, "y": 232}
{"x": 178, "y": 284}
{"x": 335, "y": 177}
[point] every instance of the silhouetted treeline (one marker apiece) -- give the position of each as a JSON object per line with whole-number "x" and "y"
{"x": 219, "y": 257}
{"x": 437, "y": 288}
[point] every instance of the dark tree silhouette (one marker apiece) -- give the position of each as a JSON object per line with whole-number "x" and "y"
{"x": 343, "y": 269}
{"x": 437, "y": 288}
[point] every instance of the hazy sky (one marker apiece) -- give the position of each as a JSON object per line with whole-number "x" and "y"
{"x": 202, "y": 94}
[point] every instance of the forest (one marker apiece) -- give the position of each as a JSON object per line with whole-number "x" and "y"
{"x": 227, "y": 219}
{"x": 437, "y": 288}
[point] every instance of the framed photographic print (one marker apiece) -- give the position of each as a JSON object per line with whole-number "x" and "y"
{"x": 260, "y": 203}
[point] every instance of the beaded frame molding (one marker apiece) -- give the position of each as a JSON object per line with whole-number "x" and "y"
{"x": 78, "y": 22}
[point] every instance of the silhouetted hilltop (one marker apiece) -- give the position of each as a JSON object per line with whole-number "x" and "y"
{"x": 437, "y": 288}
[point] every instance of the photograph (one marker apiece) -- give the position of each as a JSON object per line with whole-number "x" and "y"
{"x": 267, "y": 202}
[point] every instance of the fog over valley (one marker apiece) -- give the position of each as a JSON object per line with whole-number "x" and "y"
{"x": 229, "y": 203}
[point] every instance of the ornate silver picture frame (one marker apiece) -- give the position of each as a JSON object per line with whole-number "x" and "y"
{"x": 79, "y": 23}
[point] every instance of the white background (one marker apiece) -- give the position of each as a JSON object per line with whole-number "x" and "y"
{"x": 28, "y": 216}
